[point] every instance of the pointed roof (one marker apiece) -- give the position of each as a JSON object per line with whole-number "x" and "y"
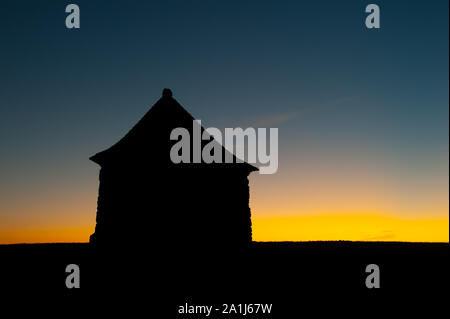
{"x": 149, "y": 139}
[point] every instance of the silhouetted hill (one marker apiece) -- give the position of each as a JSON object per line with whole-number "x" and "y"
{"x": 312, "y": 265}
{"x": 325, "y": 277}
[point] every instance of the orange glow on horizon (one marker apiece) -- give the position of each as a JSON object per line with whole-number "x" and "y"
{"x": 285, "y": 228}
{"x": 318, "y": 193}
{"x": 46, "y": 235}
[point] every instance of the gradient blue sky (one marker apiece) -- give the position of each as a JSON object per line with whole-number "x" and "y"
{"x": 337, "y": 91}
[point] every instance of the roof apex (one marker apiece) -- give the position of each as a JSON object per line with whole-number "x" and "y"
{"x": 148, "y": 136}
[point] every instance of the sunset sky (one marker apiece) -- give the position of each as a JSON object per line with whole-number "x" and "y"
{"x": 362, "y": 114}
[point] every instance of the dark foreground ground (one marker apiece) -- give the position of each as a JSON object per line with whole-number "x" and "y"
{"x": 328, "y": 277}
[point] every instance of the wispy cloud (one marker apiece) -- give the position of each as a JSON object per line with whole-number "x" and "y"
{"x": 272, "y": 120}
{"x": 386, "y": 235}
{"x": 277, "y": 119}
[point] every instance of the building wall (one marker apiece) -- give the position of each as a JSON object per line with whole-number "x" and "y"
{"x": 200, "y": 207}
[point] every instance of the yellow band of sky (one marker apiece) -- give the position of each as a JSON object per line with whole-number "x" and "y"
{"x": 350, "y": 227}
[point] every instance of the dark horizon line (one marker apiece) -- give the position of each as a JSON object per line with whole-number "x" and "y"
{"x": 258, "y": 242}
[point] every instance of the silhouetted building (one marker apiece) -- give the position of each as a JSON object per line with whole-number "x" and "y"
{"x": 145, "y": 198}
